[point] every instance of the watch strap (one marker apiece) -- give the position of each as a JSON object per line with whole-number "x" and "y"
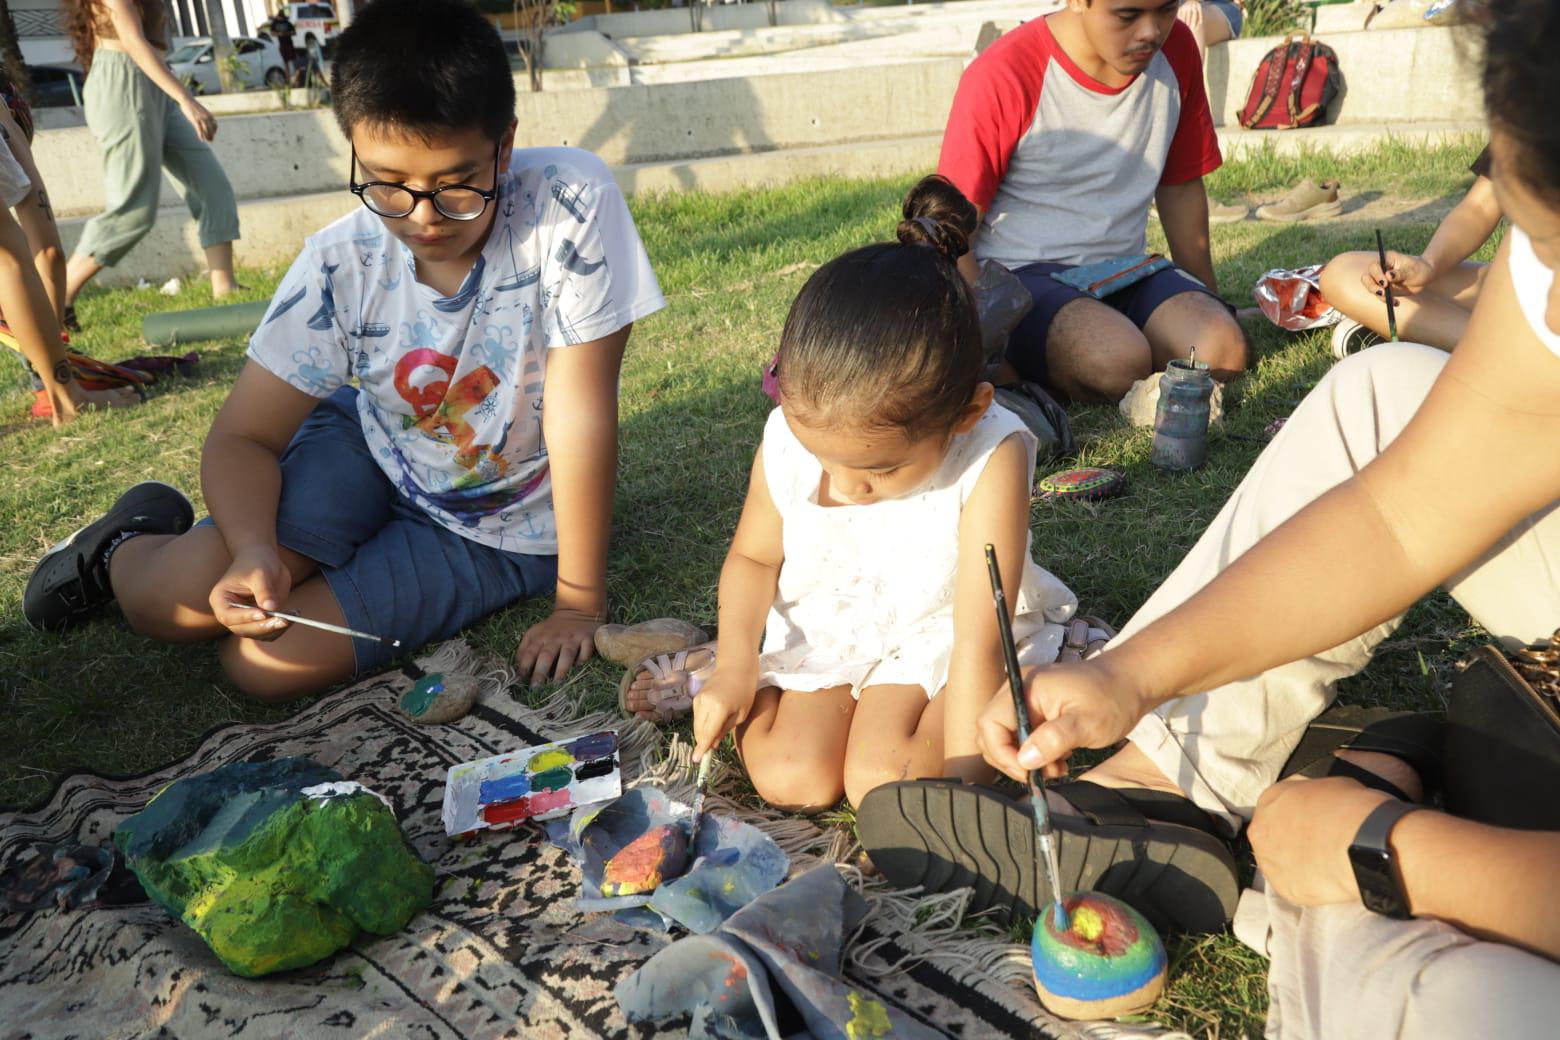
{"x": 1372, "y": 840}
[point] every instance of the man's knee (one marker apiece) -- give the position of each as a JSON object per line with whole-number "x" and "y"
{"x": 257, "y": 670}
{"x": 1094, "y": 353}
{"x": 1223, "y": 345}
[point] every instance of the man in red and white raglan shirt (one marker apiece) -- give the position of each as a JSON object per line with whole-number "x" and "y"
{"x": 1062, "y": 133}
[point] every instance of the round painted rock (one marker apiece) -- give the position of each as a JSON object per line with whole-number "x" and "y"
{"x": 1109, "y": 962}
{"x": 1087, "y": 482}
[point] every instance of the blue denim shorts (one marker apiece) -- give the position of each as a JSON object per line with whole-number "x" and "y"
{"x": 394, "y": 570}
{"x": 1232, "y": 14}
{"x": 1026, "y": 346}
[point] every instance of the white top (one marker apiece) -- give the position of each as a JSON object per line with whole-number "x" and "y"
{"x": 1532, "y": 282}
{"x": 866, "y": 592}
{"x": 451, "y": 387}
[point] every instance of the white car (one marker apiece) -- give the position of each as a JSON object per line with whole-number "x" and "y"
{"x": 259, "y": 64}
{"x": 314, "y": 25}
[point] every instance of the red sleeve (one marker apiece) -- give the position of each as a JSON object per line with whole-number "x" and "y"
{"x": 993, "y": 108}
{"x": 1194, "y": 150}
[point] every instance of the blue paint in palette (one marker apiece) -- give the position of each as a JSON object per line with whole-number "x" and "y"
{"x": 593, "y": 745}
{"x": 504, "y": 788}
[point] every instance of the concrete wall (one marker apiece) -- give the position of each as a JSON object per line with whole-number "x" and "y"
{"x": 719, "y": 16}
{"x": 1390, "y": 75}
{"x": 291, "y": 153}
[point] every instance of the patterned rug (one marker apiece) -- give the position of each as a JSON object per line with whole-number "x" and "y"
{"x": 502, "y": 952}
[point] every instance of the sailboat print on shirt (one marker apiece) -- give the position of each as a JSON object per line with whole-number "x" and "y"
{"x": 517, "y": 279}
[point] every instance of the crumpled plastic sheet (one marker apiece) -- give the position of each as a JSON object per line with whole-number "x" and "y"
{"x": 772, "y": 970}
{"x": 1293, "y": 299}
{"x": 69, "y": 876}
{"x": 730, "y": 863}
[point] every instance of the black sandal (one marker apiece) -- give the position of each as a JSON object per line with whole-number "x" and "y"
{"x": 1158, "y": 852}
{"x": 1417, "y": 739}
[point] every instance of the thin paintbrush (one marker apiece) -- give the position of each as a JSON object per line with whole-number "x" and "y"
{"x": 1043, "y": 828}
{"x": 700, "y": 787}
{"x": 323, "y": 626}
{"x": 1386, "y": 286}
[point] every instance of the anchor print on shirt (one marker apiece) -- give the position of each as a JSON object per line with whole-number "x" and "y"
{"x": 325, "y": 317}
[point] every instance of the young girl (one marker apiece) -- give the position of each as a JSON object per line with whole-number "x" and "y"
{"x": 859, "y": 557}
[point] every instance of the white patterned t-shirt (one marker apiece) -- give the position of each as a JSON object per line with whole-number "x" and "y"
{"x": 451, "y": 386}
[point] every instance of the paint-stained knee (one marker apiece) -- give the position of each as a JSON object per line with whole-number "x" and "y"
{"x": 797, "y": 783}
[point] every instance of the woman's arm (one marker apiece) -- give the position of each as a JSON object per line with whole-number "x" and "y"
{"x": 997, "y": 514}
{"x": 1467, "y": 227}
{"x": 1360, "y": 554}
{"x": 1492, "y": 882}
{"x": 36, "y": 217}
{"x": 132, "y": 37}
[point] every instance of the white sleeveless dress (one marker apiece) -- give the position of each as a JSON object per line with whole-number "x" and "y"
{"x": 865, "y": 595}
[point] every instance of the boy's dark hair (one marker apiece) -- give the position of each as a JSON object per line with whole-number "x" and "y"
{"x": 424, "y": 68}
{"x": 886, "y": 336}
{"x": 1521, "y": 81}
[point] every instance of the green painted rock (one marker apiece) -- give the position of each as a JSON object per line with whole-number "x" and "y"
{"x": 275, "y": 864}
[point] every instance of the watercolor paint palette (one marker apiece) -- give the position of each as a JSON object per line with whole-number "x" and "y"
{"x": 533, "y": 783}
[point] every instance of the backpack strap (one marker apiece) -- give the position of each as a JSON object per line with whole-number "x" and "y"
{"x": 1272, "y": 83}
{"x": 1302, "y": 65}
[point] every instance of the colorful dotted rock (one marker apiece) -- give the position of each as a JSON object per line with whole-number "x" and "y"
{"x": 1109, "y": 962}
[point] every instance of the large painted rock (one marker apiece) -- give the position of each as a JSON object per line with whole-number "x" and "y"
{"x": 1107, "y": 963}
{"x": 275, "y": 864}
{"x": 639, "y": 867}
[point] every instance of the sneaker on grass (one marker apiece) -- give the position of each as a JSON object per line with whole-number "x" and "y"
{"x": 1350, "y": 337}
{"x": 71, "y": 580}
{"x": 1310, "y": 200}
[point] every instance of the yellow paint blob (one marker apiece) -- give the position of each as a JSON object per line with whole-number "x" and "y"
{"x": 868, "y": 1019}
{"x": 540, "y": 763}
{"x": 1087, "y": 923}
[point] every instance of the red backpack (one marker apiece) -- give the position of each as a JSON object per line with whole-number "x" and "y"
{"x": 1301, "y": 72}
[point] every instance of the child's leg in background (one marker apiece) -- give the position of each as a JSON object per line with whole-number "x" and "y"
{"x": 897, "y": 734}
{"x": 1435, "y": 315}
{"x": 793, "y": 746}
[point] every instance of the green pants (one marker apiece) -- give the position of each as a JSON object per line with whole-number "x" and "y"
{"x": 141, "y": 131}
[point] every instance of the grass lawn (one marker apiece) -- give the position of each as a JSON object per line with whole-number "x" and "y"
{"x": 692, "y": 413}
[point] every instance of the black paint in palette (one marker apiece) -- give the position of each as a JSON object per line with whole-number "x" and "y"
{"x": 595, "y": 767}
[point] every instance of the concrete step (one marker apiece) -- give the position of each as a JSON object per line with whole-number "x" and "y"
{"x": 274, "y": 229}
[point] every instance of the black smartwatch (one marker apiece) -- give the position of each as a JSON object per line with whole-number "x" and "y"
{"x": 1381, "y": 885}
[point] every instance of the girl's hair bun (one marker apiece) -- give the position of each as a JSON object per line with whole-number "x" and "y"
{"x": 937, "y": 214}
{"x": 928, "y": 231}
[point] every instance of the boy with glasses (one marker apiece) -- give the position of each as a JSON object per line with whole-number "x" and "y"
{"x": 477, "y": 282}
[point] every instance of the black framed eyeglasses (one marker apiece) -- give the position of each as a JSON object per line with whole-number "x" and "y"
{"x": 455, "y": 201}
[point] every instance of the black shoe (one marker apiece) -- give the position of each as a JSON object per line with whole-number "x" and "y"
{"x": 72, "y": 578}
{"x": 70, "y": 323}
{"x": 1156, "y": 852}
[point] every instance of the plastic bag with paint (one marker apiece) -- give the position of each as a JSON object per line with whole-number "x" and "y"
{"x": 1293, "y": 299}
{"x": 730, "y": 863}
{"x": 1001, "y": 301}
{"x": 775, "y": 963}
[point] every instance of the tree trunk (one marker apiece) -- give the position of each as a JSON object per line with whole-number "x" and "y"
{"x": 221, "y": 46}
{"x": 11, "y": 51}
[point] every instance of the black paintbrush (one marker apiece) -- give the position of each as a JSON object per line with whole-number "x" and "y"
{"x": 1386, "y": 285}
{"x": 1043, "y": 828}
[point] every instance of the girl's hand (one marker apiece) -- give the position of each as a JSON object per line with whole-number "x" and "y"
{"x": 1406, "y": 272}
{"x": 720, "y": 707}
{"x": 1191, "y": 13}
{"x": 203, "y": 121}
{"x": 1070, "y": 706}
{"x": 256, "y": 578}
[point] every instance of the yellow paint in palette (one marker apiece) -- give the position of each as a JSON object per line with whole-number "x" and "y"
{"x": 552, "y": 758}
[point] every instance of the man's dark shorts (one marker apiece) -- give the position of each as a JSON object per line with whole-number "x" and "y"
{"x": 393, "y": 569}
{"x": 1026, "y": 346}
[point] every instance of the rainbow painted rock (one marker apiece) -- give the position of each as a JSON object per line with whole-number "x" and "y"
{"x": 640, "y": 866}
{"x": 275, "y": 864}
{"x": 1109, "y": 962}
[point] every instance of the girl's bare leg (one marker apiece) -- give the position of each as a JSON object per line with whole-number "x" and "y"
{"x": 793, "y": 745}
{"x": 897, "y": 734}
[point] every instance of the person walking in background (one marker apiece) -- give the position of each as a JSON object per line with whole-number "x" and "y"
{"x": 145, "y": 120}
{"x": 282, "y": 31}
